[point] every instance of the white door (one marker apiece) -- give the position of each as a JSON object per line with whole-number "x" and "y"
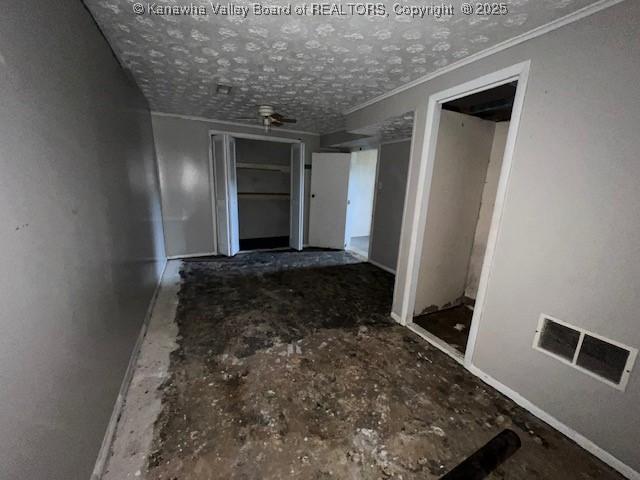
{"x": 329, "y": 195}
{"x": 297, "y": 195}
{"x": 224, "y": 174}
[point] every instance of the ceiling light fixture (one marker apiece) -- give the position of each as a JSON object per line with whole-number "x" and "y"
{"x": 223, "y": 89}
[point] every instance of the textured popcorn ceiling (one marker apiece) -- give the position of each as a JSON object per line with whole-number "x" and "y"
{"x": 309, "y": 67}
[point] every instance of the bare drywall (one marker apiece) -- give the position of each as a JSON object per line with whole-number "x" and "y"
{"x": 393, "y": 163}
{"x": 262, "y": 216}
{"x": 462, "y": 156}
{"x": 568, "y": 241}
{"x": 486, "y": 209}
{"x": 182, "y": 145}
{"x": 362, "y": 179}
{"x": 81, "y": 242}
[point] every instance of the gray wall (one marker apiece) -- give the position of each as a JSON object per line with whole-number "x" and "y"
{"x": 568, "y": 244}
{"x": 81, "y": 241}
{"x": 182, "y": 145}
{"x": 460, "y": 168}
{"x": 393, "y": 163}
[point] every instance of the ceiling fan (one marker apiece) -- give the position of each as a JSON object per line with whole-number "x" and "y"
{"x": 270, "y": 118}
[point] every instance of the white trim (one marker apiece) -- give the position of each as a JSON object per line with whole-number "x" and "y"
{"x": 536, "y": 32}
{"x": 299, "y": 200}
{"x": 252, "y": 136}
{"x": 633, "y": 352}
{"x": 212, "y": 197}
{"x": 581, "y": 440}
{"x": 191, "y": 255}
{"x": 234, "y": 135}
{"x": 373, "y": 201}
{"x": 522, "y": 76}
{"x": 383, "y": 267}
{"x": 436, "y": 342}
{"x": 407, "y": 286}
{"x": 516, "y": 72}
{"x": 224, "y": 175}
{"x": 397, "y": 283}
{"x": 109, "y": 435}
{"x": 227, "y": 122}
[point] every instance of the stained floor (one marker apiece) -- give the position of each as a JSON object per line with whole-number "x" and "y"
{"x": 450, "y": 325}
{"x": 288, "y": 367}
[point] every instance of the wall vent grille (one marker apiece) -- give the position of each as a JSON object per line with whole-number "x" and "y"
{"x": 602, "y": 358}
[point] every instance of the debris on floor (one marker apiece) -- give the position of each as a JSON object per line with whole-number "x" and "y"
{"x": 289, "y": 367}
{"x": 450, "y": 325}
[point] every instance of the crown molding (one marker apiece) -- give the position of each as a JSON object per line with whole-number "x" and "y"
{"x": 227, "y": 122}
{"x": 536, "y": 32}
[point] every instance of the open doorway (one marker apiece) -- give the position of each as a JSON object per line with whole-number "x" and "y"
{"x": 469, "y": 151}
{"x": 259, "y": 192}
{"x": 362, "y": 182}
{"x": 342, "y": 197}
{"x": 264, "y": 192}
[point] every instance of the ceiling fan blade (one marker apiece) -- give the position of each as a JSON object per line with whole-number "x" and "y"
{"x": 279, "y": 118}
{"x": 246, "y": 118}
{"x": 276, "y": 123}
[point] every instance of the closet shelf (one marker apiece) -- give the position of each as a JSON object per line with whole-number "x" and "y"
{"x": 264, "y": 195}
{"x": 263, "y": 166}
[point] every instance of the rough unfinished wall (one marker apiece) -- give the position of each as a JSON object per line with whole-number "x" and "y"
{"x": 81, "y": 241}
{"x": 462, "y": 155}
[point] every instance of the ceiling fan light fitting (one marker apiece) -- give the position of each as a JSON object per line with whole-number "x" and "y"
{"x": 223, "y": 89}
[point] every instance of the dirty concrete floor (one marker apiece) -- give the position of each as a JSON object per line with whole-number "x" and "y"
{"x": 288, "y": 367}
{"x": 450, "y": 325}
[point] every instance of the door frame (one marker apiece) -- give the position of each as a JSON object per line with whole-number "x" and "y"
{"x": 407, "y": 285}
{"x": 347, "y": 239}
{"x": 212, "y": 191}
{"x": 229, "y": 174}
{"x": 373, "y": 202}
{"x": 297, "y": 183}
{"x": 380, "y": 145}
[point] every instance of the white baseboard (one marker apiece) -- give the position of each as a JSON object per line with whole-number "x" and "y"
{"x": 191, "y": 255}
{"x": 584, "y": 442}
{"x": 397, "y": 318}
{"x": 383, "y": 267}
{"x": 107, "y": 441}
